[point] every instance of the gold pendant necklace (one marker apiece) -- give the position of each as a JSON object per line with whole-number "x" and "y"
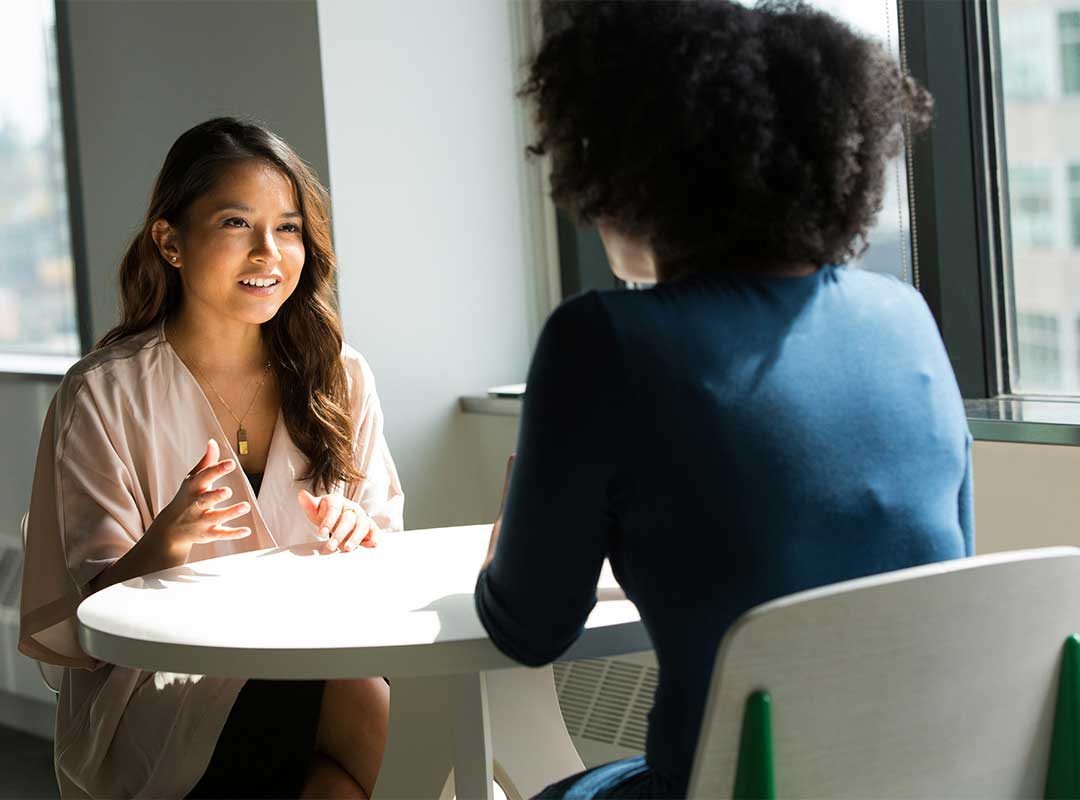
{"x": 241, "y": 431}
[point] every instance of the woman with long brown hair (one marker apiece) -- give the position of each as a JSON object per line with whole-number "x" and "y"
{"x": 229, "y": 354}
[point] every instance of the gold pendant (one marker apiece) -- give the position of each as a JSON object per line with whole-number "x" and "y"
{"x": 241, "y": 441}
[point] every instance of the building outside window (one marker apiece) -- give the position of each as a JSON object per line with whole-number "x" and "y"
{"x": 1031, "y": 206}
{"x": 1069, "y": 35}
{"x": 1074, "y": 205}
{"x": 1040, "y": 352}
{"x": 1028, "y": 72}
{"x": 37, "y": 288}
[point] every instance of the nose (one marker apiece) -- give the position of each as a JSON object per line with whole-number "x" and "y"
{"x": 265, "y": 249}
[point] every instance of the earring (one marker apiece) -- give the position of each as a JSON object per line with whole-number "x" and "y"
{"x": 174, "y": 259}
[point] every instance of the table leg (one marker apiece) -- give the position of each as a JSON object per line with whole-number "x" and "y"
{"x": 420, "y": 743}
{"x": 532, "y": 747}
{"x": 507, "y": 721}
{"x": 472, "y": 738}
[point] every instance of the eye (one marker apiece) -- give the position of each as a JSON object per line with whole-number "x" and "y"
{"x": 235, "y": 222}
{"x": 290, "y": 227}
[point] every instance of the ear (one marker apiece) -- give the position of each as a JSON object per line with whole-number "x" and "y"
{"x": 167, "y": 240}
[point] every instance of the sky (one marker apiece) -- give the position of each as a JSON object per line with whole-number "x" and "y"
{"x": 23, "y": 93}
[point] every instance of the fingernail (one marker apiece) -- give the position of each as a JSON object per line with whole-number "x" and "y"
{"x": 351, "y": 546}
{"x": 324, "y": 532}
{"x": 332, "y": 544}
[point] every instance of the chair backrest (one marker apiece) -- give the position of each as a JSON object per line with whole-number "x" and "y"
{"x": 935, "y": 681}
{"x": 51, "y": 674}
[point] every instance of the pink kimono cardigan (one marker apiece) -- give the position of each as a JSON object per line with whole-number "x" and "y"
{"x": 127, "y": 424}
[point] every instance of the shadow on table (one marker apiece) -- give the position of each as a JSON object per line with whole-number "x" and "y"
{"x": 302, "y": 549}
{"x": 183, "y": 574}
{"x": 189, "y": 573}
{"x": 457, "y": 612}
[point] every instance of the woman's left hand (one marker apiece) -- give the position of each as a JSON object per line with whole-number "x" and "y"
{"x": 342, "y": 521}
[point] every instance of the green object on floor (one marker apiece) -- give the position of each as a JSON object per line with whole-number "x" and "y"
{"x": 754, "y": 778}
{"x": 1063, "y": 774}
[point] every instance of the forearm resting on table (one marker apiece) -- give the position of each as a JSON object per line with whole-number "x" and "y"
{"x": 150, "y": 554}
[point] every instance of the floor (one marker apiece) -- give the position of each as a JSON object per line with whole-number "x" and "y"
{"x": 26, "y": 766}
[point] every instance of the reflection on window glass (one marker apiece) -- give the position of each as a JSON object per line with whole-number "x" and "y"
{"x": 37, "y": 296}
{"x": 1040, "y": 78}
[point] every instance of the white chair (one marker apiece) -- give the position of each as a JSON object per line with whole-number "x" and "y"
{"x": 937, "y": 681}
{"x": 51, "y": 674}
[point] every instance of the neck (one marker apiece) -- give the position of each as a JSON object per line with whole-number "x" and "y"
{"x": 215, "y": 343}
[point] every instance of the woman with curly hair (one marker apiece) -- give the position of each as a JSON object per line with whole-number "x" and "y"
{"x": 229, "y": 354}
{"x": 763, "y": 420}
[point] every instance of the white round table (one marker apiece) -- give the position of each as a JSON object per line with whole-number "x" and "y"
{"x": 459, "y": 708}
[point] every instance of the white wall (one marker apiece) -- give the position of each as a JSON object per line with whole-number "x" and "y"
{"x": 1026, "y": 495}
{"x": 429, "y": 189}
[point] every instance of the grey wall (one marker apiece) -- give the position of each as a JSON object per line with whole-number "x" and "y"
{"x": 147, "y": 70}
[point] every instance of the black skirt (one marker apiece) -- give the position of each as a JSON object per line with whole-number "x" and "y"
{"x": 266, "y": 746}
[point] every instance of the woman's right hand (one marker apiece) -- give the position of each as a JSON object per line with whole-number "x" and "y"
{"x": 189, "y": 518}
{"x": 192, "y": 517}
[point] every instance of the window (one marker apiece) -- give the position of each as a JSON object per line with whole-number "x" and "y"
{"x": 1040, "y": 158}
{"x": 1069, "y": 33}
{"x": 37, "y": 291}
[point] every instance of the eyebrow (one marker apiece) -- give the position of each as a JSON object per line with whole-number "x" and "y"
{"x": 249, "y": 209}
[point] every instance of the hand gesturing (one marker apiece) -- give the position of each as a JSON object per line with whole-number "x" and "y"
{"x": 192, "y": 517}
{"x": 342, "y": 520}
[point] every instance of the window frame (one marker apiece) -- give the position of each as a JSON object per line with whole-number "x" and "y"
{"x": 958, "y": 210}
{"x": 73, "y": 176}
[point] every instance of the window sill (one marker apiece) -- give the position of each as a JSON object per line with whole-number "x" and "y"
{"x": 492, "y": 406}
{"x": 1002, "y": 419}
{"x": 36, "y": 366}
{"x": 1025, "y": 420}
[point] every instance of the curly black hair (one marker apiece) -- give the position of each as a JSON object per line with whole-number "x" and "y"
{"x": 727, "y": 137}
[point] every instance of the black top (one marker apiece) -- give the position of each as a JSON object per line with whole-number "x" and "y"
{"x": 724, "y": 441}
{"x": 255, "y": 479}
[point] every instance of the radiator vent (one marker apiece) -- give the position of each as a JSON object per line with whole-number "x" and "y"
{"x": 606, "y": 700}
{"x": 10, "y": 573}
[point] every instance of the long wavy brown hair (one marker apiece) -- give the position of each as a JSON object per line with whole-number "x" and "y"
{"x": 304, "y": 337}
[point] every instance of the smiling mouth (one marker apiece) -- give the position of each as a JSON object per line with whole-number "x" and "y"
{"x": 260, "y": 283}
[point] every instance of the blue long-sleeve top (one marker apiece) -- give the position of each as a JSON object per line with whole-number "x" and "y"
{"x": 723, "y": 440}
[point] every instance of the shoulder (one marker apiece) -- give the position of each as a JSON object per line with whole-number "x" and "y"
{"x": 359, "y": 374}
{"x": 128, "y": 361}
{"x": 893, "y": 303}
{"x": 578, "y": 345}
{"x": 583, "y": 320}
{"x": 881, "y": 286}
